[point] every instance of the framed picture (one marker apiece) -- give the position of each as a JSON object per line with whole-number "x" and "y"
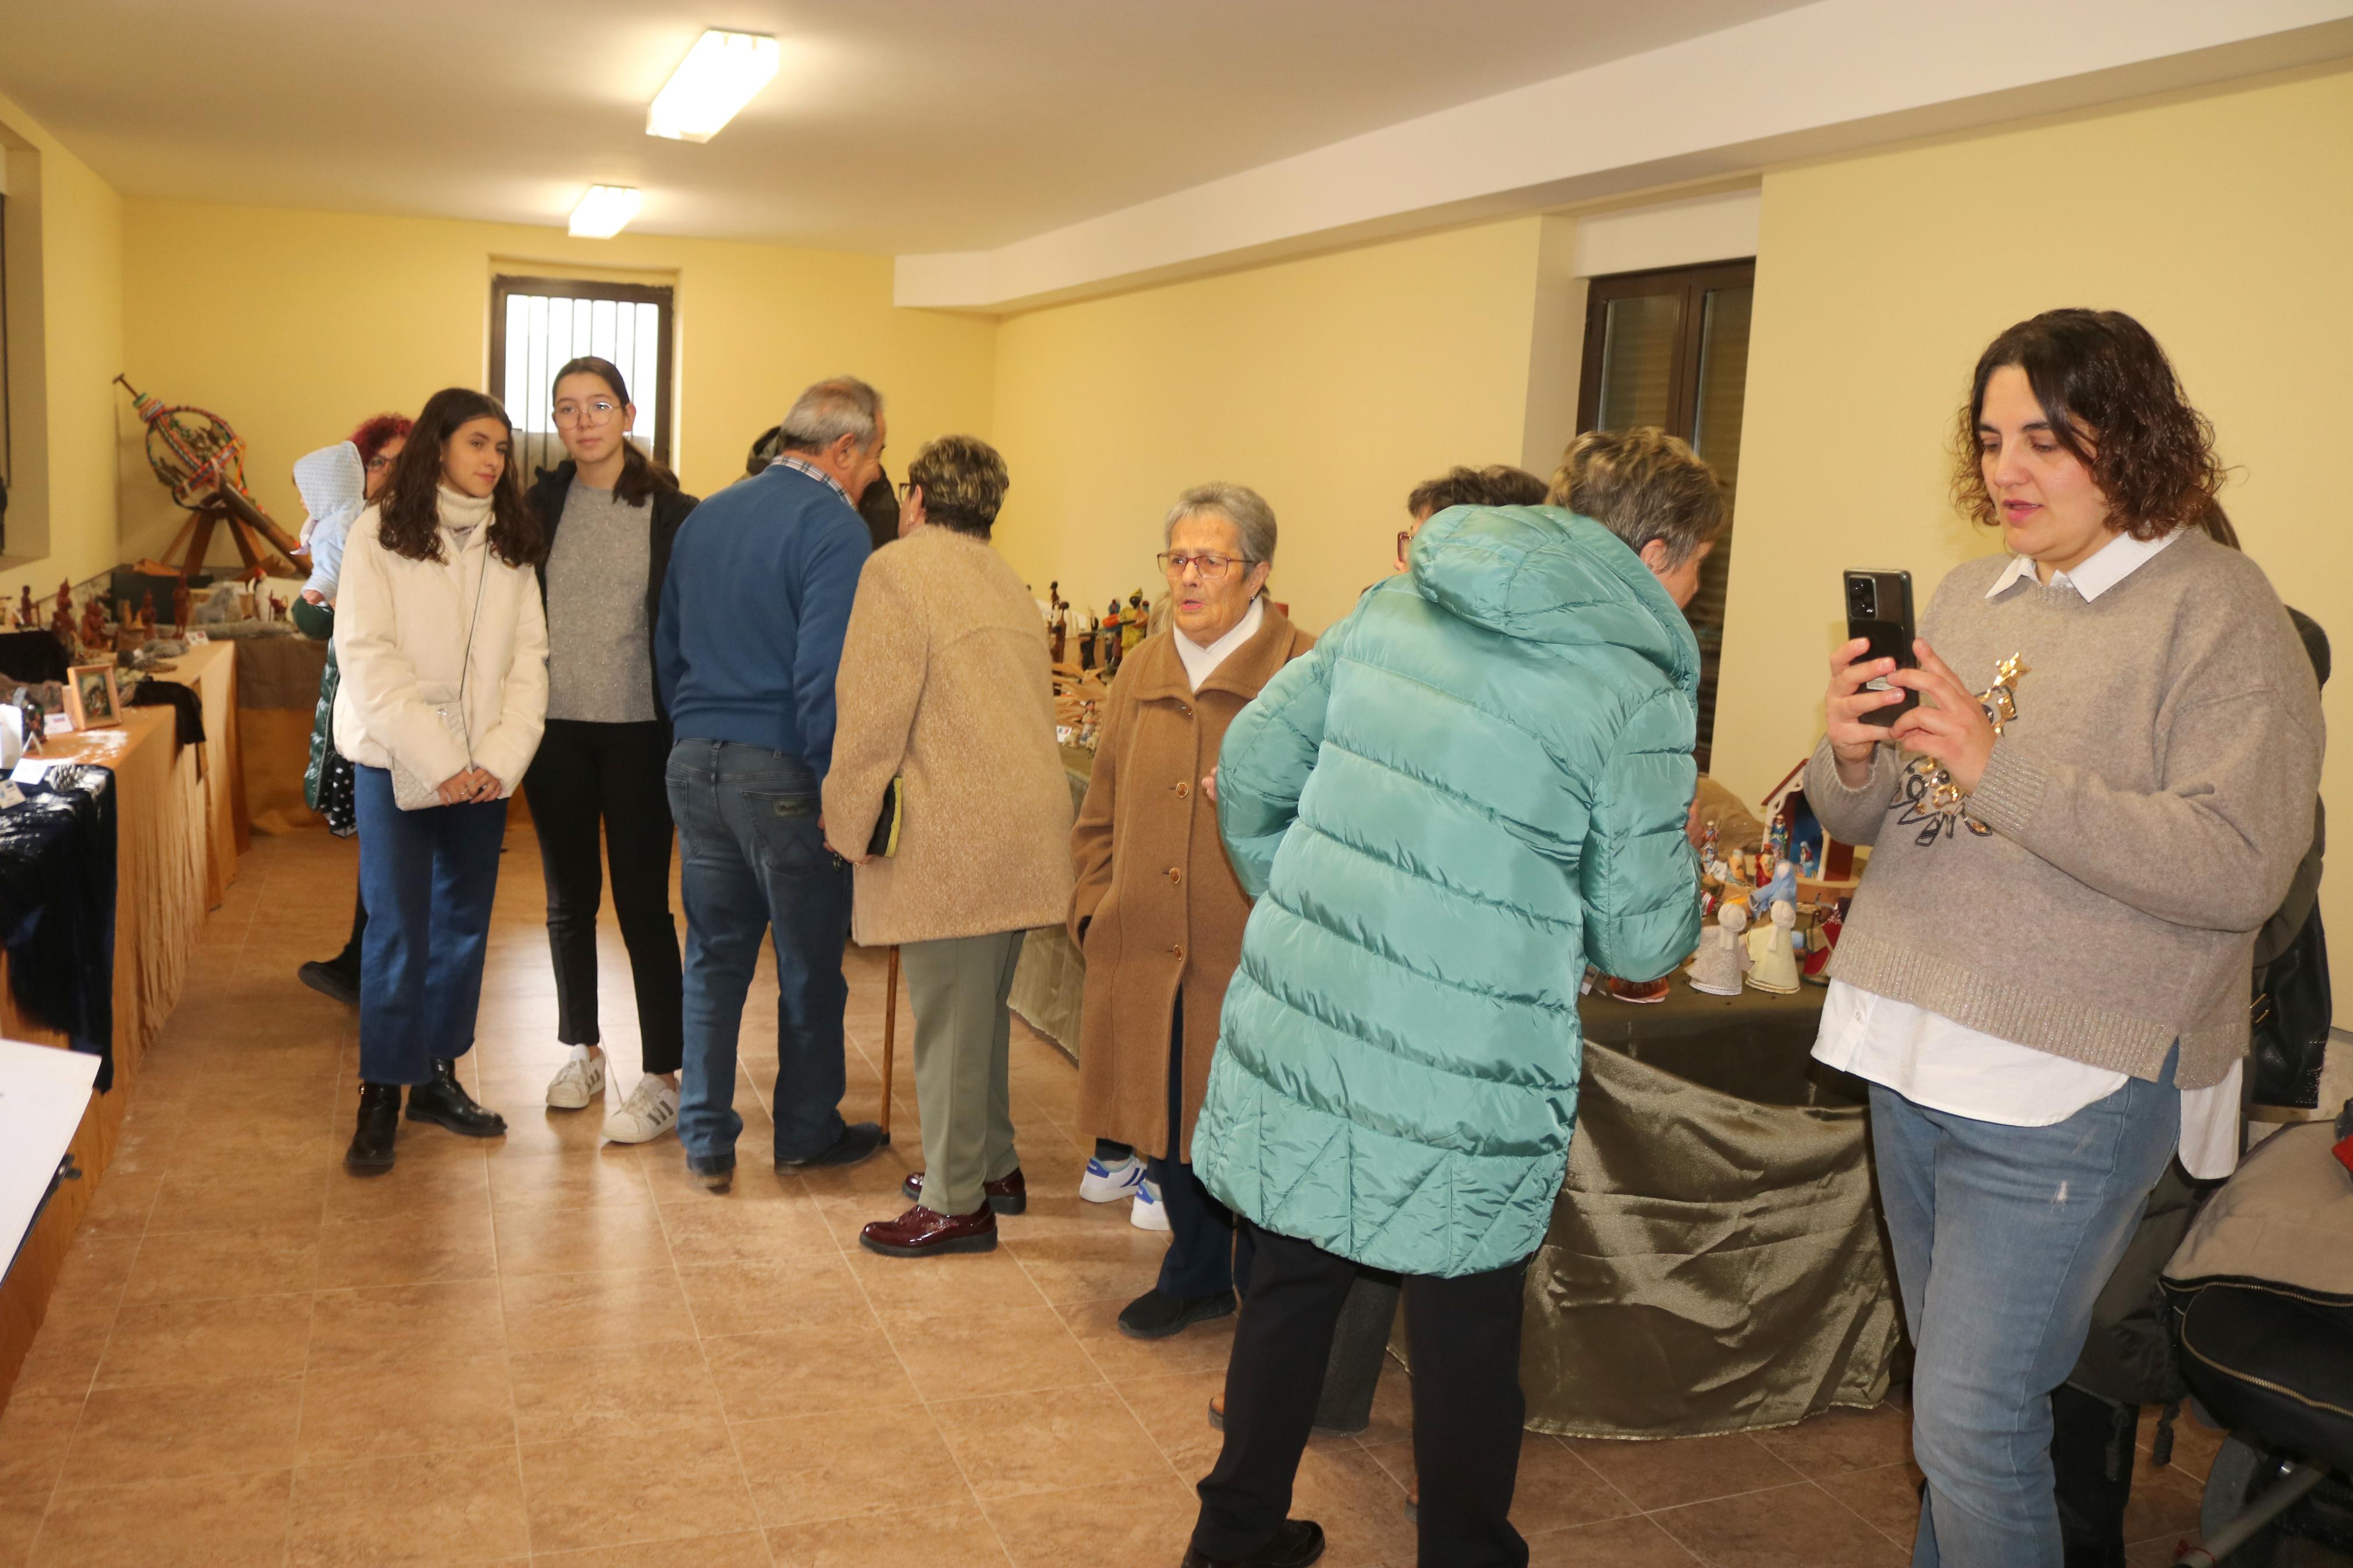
{"x": 91, "y": 697}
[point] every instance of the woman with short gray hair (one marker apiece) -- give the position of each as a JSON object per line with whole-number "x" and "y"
{"x": 1157, "y": 909}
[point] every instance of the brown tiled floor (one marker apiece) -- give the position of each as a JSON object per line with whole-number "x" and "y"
{"x": 546, "y": 1349}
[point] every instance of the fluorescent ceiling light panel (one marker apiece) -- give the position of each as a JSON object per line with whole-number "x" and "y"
{"x": 718, "y": 76}
{"x": 604, "y": 211}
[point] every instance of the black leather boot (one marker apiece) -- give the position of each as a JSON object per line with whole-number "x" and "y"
{"x": 371, "y": 1151}
{"x": 446, "y": 1102}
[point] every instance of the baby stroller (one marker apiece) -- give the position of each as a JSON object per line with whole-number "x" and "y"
{"x": 2260, "y": 1295}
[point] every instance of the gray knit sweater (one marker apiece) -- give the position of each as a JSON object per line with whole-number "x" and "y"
{"x": 2149, "y": 804}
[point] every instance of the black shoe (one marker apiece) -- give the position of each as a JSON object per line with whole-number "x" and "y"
{"x": 1299, "y": 1542}
{"x": 331, "y": 981}
{"x": 371, "y": 1151}
{"x": 1155, "y": 1314}
{"x": 446, "y": 1102}
{"x": 859, "y": 1140}
{"x": 715, "y": 1171}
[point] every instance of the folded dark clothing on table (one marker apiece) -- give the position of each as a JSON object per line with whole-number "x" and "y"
{"x": 187, "y": 707}
{"x": 57, "y": 907}
{"x": 31, "y": 657}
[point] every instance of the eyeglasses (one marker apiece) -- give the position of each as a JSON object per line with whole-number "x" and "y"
{"x": 600, "y": 412}
{"x": 1212, "y": 568}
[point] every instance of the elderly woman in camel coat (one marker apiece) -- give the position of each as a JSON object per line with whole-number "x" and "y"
{"x": 1157, "y": 909}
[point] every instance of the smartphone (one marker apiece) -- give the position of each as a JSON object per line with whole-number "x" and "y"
{"x": 1879, "y": 611}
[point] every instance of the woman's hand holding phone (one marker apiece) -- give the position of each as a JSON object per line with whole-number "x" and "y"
{"x": 1949, "y": 724}
{"x": 1854, "y": 740}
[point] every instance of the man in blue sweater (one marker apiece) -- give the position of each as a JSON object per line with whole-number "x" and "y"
{"x": 752, "y": 613}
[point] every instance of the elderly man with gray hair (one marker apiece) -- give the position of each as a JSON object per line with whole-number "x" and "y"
{"x": 746, "y": 648}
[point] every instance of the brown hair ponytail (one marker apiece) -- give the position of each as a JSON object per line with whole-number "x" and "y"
{"x": 640, "y": 475}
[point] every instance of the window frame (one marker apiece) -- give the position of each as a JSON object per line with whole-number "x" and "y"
{"x": 661, "y": 296}
{"x": 1692, "y": 284}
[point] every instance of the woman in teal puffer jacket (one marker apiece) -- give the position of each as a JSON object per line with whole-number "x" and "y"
{"x": 1475, "y": 786}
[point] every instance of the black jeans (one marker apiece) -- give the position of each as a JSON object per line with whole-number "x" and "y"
{"x": 1464, "y": 1334}
{"x": 587, "y": 777}
{"x": 1206, "y": 1257}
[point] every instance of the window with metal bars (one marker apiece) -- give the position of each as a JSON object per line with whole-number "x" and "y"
{"x": 538, "y": 323}
{"x": 1669, "y": 348}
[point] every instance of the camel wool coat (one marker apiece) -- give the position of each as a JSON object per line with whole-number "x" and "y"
{"x": 944, "y": 683}
{"x": 1156, "y": 907}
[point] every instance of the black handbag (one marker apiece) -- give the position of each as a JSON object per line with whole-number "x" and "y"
{"x": 2290, "y": 1022}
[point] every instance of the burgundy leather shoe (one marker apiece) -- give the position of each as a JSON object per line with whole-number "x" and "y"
{"x": 1011, "y": 1195}
{"x": 926, "y": 1233}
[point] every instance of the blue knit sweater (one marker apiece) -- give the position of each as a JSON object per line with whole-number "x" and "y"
{"x": 752, "y": 613}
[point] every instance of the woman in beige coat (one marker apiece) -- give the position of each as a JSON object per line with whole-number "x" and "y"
{"x": 1157, "y": 909}
{"x": 945, "y": 686}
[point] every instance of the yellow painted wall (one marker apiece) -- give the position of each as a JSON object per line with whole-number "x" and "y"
{"x": 82, "y": 311}
{"x": 2222, "y": 222}
{"x": 1332, "y": 385}
{"x": 295, "y": 325}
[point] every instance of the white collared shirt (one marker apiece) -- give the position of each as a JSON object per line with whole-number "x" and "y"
{"x": 1200, "y": 662}
{"x": 1930, "y": 1060}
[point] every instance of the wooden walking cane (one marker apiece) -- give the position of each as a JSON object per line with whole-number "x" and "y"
{"x": 890, "y": 1036}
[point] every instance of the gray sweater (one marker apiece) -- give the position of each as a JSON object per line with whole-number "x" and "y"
{"x": 2149, "y": 804}
{"x": 597, "y": 648}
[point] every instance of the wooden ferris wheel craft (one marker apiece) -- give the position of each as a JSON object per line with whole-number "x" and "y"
{"x": 202, "y": 460}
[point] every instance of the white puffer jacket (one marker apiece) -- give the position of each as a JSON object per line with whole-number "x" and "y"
{"x": 400, "y": 639}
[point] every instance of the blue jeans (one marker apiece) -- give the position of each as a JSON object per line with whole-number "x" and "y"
{"x": 427, "y": 878}
{"x": 754, "y": 861}
{"x": 2003, "y": 1238}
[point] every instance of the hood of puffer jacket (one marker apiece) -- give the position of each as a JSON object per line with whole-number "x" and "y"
{"x": 1545, "y": 574}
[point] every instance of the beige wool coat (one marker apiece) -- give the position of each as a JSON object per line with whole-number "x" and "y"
{"x": 1157, "y": 909}
{"x": 944, "y": 683}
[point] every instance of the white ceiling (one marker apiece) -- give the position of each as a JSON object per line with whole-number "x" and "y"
{"x": 894, "y": 125}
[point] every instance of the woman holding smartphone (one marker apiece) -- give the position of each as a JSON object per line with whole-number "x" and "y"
{"x": 2044, "y": 975}
{"x": 443, "y": 648}
{"x": 596, "y": 787}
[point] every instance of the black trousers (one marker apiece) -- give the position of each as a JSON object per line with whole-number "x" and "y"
{"x": 1206, "y": 1256}
{"x": 591, "y": 780}
{"x": 1464, "y": 1335}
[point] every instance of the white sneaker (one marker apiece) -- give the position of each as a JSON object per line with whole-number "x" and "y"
{"x": 1108, "y": 1184}
{"x": 578, "y": 1082}
{"x": 1148, "y": 1213}
{"x": 650, "y": 1110}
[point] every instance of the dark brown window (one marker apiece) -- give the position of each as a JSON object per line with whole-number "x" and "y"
{"x": 538, "y": 323}
{"x": 1669, "y": 348}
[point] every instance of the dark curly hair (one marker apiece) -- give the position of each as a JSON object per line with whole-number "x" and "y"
{"x": 410, "y": 512}
{"x": 2114, "y": 404}
{"x": 1502, "y": 485}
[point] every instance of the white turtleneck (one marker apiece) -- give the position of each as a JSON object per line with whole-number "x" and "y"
{"x": 460, "y": 514}
{"x": 1200, "y": 662}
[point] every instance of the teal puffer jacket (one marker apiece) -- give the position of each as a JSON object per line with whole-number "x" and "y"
{"x": 1475, "y": 786}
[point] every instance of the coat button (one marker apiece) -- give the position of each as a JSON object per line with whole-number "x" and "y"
{"x": 1176, "y": 876}
{"x": 1184, "y": 710}
{"x": 1183, "y": 790}
{"x": 1177, "y": 950}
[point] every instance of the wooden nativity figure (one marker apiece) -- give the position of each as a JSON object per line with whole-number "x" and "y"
{"x": 1717, "y": 967}
{"x": 1773, "y": 953}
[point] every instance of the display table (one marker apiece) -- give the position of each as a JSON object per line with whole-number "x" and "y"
{"x": 277, "y": 701}
{"x": 175, "y": 853}
{"x": 1716, "y": 1261}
